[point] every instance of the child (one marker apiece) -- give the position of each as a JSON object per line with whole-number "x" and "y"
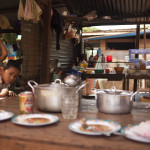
{"x": 8, "y": 74}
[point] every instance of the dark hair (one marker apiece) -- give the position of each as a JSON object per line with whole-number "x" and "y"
{"x": 11, "y": 63}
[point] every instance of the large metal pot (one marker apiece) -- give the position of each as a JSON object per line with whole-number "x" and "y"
{"x": 114, "y": 101}
{"x": 47, "y": 96}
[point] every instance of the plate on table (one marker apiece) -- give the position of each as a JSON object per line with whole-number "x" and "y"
{"x": 35, "y": 119}
{"x": 131, "y": 135}
{"x": 4, "y": 115}
{"x": 95, "y": 127}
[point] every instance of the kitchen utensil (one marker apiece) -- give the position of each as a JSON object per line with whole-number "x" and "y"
{"x": 109, "y": 127}
{"x": 114, "y": 101}
{"x": 72, "y": 80}
{"x": 99, "y": 70}
{"x": 119, "y": 70}
{"x": 109, "y": 58}
{"x": 69, "y": 104}
{"x": 107, "y": 71}
{"x": 47, "y": 96}
{"x": 35, "y": 120}
{"x": 81, "y": 87}
{"x": 4, "y": 115}
{"x": 128, "y": 133}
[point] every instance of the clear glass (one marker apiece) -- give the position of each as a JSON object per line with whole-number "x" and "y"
{"x": 69, "y": 105}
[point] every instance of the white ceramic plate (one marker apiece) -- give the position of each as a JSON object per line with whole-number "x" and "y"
{"x": 113, "y": 126}
{"x": 131, "y": 135}
{"x": 35, "y": 119}
{"x": 4, "y": 115}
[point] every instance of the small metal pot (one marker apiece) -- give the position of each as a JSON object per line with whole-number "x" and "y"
{"x": 47, "y": 96}
{"x": 114, "y": 101}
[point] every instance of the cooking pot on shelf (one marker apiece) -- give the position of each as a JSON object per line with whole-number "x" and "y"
{"x": 48, "y": 96}
{"x": 114, "y": 101}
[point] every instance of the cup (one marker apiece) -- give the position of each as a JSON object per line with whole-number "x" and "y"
{"x": 107, "y": 71}
{"x": 69, "y": 102}
{"x": 69, "y": 105}
{"x": 109, "y": 58}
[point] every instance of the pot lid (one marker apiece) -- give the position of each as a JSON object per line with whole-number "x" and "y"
{"x": 56, "y": 84}
{"x": 114, "y": 91}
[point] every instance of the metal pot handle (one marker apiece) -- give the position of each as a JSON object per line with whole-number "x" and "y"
{"x": 58, "y": 80}
{"x": 113, "y": 89}
{"x": 29, "y": 83}
{"x": 82, "y": 86}
{"x": 132, "y": 95}
{"x": 94, "y": 90}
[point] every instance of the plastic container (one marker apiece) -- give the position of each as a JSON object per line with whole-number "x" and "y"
{"x": 109, "y": 58}
{"x": 99, "y": 70}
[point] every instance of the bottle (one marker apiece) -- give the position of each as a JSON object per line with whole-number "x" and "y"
{"x": 99, "y": 52}
{"x": 103, "y": 58}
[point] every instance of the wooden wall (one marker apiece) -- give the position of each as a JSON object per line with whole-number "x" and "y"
{"x": 31, "y": 44}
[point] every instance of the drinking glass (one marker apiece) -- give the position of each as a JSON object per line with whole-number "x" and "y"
{"x": 69, "y": 103}
{"x": 69, "y": 106}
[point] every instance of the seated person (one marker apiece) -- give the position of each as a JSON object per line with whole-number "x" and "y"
{"x": 8, "y": 74}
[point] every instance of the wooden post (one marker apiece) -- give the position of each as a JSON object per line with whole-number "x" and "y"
{"x": 144, "y": 81}
{"x": 45, "y": 75}
{"x": 137, "y": 47}
{"x": 144, "y": 41}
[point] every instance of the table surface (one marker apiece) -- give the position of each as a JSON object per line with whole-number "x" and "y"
{"x": 58, "y": 135}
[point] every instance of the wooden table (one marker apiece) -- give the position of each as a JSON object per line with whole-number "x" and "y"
{"x": 58, "y": 136}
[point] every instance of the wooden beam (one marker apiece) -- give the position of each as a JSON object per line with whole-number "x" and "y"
{"x": 45, "y": 75}
{"x": 10, "y": 31}
{"x": 9, "y": 10}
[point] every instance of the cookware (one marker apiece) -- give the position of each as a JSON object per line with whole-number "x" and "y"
{"x": 114, "y": 101}
{"x": 72, "y": 80}
{"x": 47, "y": 96}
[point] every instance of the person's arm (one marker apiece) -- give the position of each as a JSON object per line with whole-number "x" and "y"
{"x": 4, "y": 51}
{"x": 4, "y": 92}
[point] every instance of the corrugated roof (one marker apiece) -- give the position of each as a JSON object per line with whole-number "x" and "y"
{"x": 121, "y": 11}
{"x": 116, "y": 36}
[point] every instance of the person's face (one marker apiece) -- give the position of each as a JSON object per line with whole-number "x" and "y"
{"x": 9, "y": 75}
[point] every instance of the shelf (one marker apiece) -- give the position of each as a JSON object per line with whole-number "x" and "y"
{"x": 110, "y": 77}
{"x": 137, "y": 77}
{"x": 108, "y": 62}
